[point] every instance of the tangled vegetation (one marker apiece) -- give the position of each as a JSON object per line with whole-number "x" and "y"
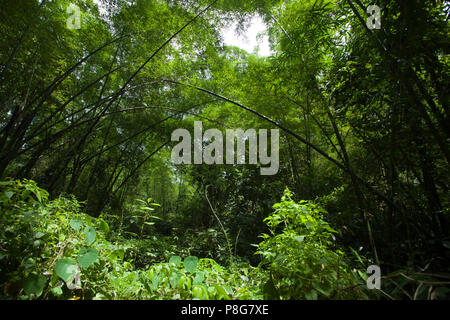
{"x": 94, "y": 206}
{"x": 49, "y": 249}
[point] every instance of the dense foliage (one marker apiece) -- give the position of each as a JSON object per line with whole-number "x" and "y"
{"x": 301, "y": 264}
{"x": 92, "y": 207}
{"x": 52, "y": 250}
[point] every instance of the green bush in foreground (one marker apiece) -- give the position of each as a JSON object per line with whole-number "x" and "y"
{"x": 299, "y": 257}
{"x": 51, "y": 250}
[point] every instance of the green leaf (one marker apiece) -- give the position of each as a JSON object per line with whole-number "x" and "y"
{"x": 57, "y": 291}
{"x": 39, "y": 235}
{"x": 362, "y": 275}
{"x": 65, "y": 269}
{"x": 174, "y": 277}
{"x": 9, "y": 194}
{"x": 87, "y": 257}
{"x": 228, "y": 290}
{"x": 37, "y": 243}
{"x": 76, "y": 225}
{"x": 34, "y": 284}
{"x": 190, "y": 263}
{"x": 197, "y": 292}
{"x": 175, "y": 260}
{"x": 90, "y": 235}
{"x": 199, "y": 276}
{"x": 221, "y": 292}
{"x": 155, "y": 282}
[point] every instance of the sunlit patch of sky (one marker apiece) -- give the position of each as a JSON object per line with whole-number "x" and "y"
{"x": 248, "y": 40}
{"x": 100, "y": 7}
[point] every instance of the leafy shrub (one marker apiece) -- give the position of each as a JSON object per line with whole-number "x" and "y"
{"x": 50, "y": 250}
{"x": 298, "y": 255}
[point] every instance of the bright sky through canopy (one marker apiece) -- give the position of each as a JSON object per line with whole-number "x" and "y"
{"x": 248, "y": 41}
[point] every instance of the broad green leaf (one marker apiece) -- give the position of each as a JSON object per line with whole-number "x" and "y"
{"x": 197, "y": 292}
{"x": 181, "y": 282}
{"x": 9, "y": 194}
{"x": 228, "y": 289}
{"x": 155, "y": 282}
{"x": 57, "y": 291}
{"x": 199, "y": 276}
{"x": 65, "y": 269}
{"x": 174, "y": 277}
{"x": 175, "y": 260}
{"x": 309, "y": 224}
{"x": 76, "y": 225}
{"x": 190, "y": 263}
{"x": 87, "y": 257}
{"x": 39, "y": 235}
{"x": 90, "y": 235}
{"x": 34, "y": 284}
